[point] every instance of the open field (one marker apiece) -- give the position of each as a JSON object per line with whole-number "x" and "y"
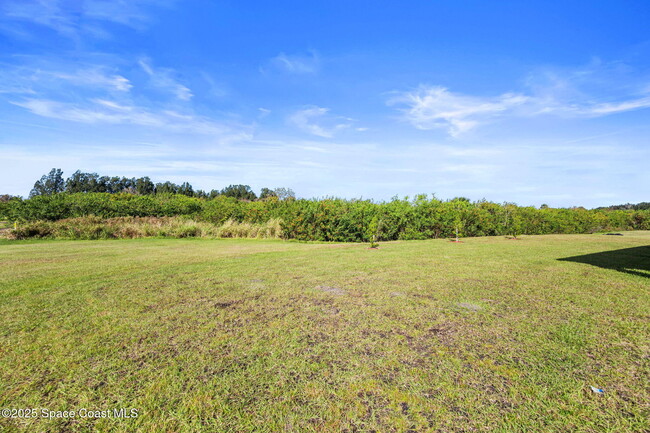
{"x": 260, "y": 335}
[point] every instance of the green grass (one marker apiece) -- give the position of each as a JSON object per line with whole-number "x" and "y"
{"x": 260, "y": 335}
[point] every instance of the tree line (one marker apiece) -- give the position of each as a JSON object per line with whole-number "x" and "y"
{"x": 629, "y": 206}
{"x": 330, "y": 219}
{"x": 333, "y": 219}
{"x": 80, "y": 182}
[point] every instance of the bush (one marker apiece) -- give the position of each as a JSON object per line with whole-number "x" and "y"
{"x": 329, "y": 219}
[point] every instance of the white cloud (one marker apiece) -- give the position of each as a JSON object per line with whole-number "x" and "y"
{"x": 596, "y": 89}
{"x": 297, "y": 64}
{"x": 35, "y": 77}
{"x": 74, "y": 18}
{"x": 128, "y": 13}
{"x": 96, "y": 77}
{"x": 16, "y": 89}
{"x": 315, "y": 120}
{"x": 303, "y": 120}
{"x": 101, "y": 111}
{"x": 217, "y": 90}
{"x": 163, "y": 78}
{"x": 45, "y": 13}
{"x": 431, "y": 107}
{"x": 437, "y": 107}
{"x": 611, "y": 108}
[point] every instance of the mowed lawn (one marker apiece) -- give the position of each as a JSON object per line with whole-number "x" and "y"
{"x": 199, "y": 335}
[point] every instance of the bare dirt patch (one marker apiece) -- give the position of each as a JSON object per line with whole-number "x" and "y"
{"x": 332, "y": 290}
{"x": 469, "y": 306}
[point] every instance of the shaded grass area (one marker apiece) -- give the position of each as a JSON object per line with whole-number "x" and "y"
{"x": 634, "y": 260}
{"x": 260, "y": 335}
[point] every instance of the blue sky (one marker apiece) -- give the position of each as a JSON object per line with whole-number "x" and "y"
{"x": 526, "y": 102}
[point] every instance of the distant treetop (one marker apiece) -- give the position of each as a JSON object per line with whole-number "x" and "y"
{"x": 80, "y": 182}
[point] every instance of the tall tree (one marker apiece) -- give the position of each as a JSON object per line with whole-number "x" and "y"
{"x": 241, "y": 192}
{"x": 49, "y": 184}
{"x": 78, "y": 182}
{"x": 144, "y": 186}
{"x": 186, "y": 189}
{"x": 267, "y": 193}
{"x": 284, "y": 193}
{"x": 166, "y": 188}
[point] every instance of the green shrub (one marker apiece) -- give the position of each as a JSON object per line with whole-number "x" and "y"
{"x": 328, "y": 219}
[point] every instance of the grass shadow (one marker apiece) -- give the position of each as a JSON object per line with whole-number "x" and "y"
{"x": 635, "y": 261}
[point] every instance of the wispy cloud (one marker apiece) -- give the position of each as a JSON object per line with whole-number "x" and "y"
{"x": 163, "y": 78}
{"x": 130, "y": 13}
{"x": 581, "y": 92}
{"x": 216, "y": 89}
{"x": 316, "y": 121}
{"x": 42, "y": 12}
{"x": 101, "y": 111}
{"x": 101, "y": 95}
{"x": 596, "y": 89}
{"x": 436, "y": 107}
{"x": 296, "y": 64}
{"x": 611, "y": 108}
{"x": 72, "y": 18}
{"x": 95, "y": 76}
{"x": 43, "y": 77}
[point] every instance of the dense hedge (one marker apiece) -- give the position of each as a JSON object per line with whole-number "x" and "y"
{"x": 336, "y": 219}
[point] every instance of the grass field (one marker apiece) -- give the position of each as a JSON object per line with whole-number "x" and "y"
{"x": 251, "y": 335}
